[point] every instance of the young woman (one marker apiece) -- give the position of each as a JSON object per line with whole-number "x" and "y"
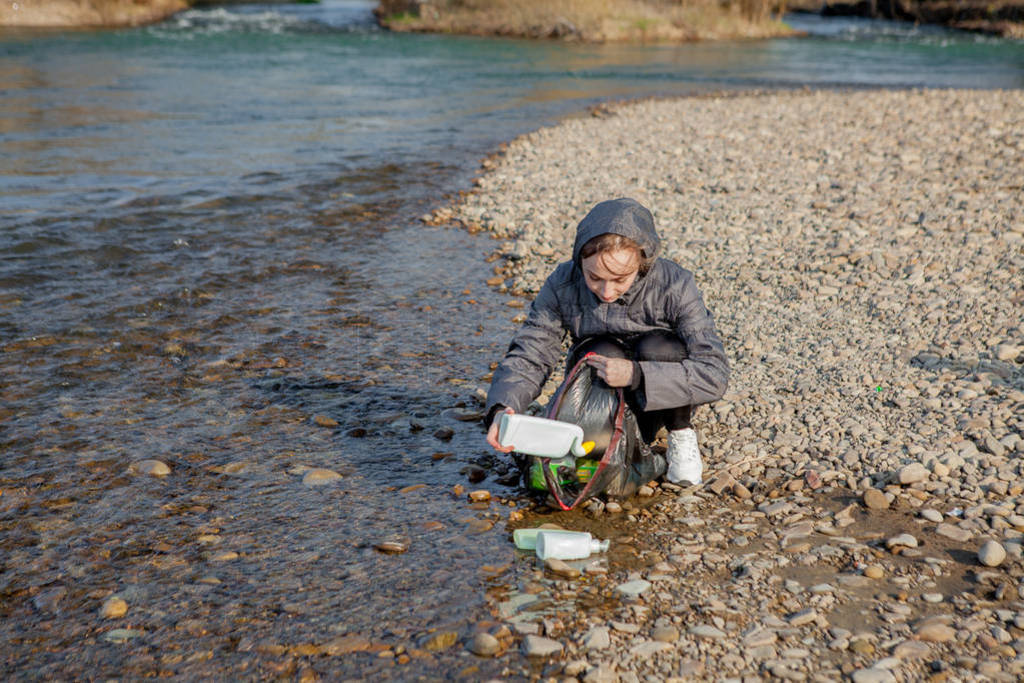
{"x": 642, "y": 318}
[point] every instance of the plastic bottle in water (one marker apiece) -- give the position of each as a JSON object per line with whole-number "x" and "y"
{"x": 568, "y": 545}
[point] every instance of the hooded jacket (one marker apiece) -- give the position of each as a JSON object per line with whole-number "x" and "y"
{"x": 665, "y": 298}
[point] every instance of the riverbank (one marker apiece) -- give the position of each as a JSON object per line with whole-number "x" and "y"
{"x": 594, "y": 21}
{"x": 1003, "y": 18}
{"x": 864, "y": 506}
{"x": 95, "y": 13}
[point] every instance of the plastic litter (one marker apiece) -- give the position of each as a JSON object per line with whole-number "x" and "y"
{"x": 617, "y": 465}
{"x": 567, "y": 545}
{"x": 541, "y": 437}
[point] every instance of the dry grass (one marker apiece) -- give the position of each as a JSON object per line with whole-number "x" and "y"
{"x": 589, "y": 20}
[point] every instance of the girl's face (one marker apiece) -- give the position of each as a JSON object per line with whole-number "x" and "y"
{"x": 610, "y": 274}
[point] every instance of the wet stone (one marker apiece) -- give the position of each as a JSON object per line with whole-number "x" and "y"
{"x": 49, "y": 600}
{"x": 440, "y": 641}
{"x": 114, "y": 608}
{"x": 480, "y": 496}
{"x": 320, "y": 477}
{"x": 444, "y": 433}
{"x": 324, "y": 421}
{"x": 391, "y": 547}
{"x": 562, "y": 568}
{"x": 151, "y": 468}
{"x": 484, "y": 645}
{"x": 464, "y": 414}
{"x": 122, "y": 635}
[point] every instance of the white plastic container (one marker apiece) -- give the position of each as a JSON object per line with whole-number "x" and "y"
{"x": 542, "y": 437}
{"x": 526, "y": 539}
{"x": 568, "y": 545}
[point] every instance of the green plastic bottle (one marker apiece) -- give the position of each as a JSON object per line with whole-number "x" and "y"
{"x": 583, "y": 472}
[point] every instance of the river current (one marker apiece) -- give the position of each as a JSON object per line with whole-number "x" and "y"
{"x": 211, "y": 255}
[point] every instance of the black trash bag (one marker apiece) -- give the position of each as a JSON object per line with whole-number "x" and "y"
{"x": 620, "y": 461}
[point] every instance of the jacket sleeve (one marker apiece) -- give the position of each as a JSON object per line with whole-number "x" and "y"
{"x": 700, "y": 378}
{"x": 531, "y": 356}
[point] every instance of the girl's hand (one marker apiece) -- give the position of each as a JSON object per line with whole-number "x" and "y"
{"x": 492, "y": 434}
{"x": 616, "y": 372}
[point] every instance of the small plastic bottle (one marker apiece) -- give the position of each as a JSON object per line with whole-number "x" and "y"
{"x": 568, "y": 545}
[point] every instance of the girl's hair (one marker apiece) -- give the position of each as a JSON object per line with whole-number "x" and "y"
{"x": 609, "y": 241}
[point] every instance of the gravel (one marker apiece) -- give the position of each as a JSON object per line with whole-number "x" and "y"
{"x": 862, "y": 254}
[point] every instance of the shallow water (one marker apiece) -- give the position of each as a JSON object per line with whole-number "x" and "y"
{"x": 210, "y": 240}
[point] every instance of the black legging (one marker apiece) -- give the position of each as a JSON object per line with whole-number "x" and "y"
{"x": 654, "y": 346}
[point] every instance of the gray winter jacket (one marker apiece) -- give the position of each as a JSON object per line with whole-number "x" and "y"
{"x": 665, "y": 298}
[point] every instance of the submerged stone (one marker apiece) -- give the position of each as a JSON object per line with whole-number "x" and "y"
{"x": 484, "y": 645}
{"x": 320, "y": 477}
{"x": 152, "y": 468}
{"x": 114, "y": 608}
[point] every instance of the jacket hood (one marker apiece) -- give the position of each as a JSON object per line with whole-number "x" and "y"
{"x": 626, "y": 217}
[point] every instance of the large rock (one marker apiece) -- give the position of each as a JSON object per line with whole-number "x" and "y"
{"x": 991, "y": 554}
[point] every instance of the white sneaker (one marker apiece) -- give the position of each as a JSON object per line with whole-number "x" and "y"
{"x": 684, "y": 463}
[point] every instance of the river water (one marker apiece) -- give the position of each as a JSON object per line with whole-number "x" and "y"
{"x": 210, "y": 253}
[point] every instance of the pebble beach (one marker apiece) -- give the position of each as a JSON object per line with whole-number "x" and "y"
{"x": 863, "y": 506}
